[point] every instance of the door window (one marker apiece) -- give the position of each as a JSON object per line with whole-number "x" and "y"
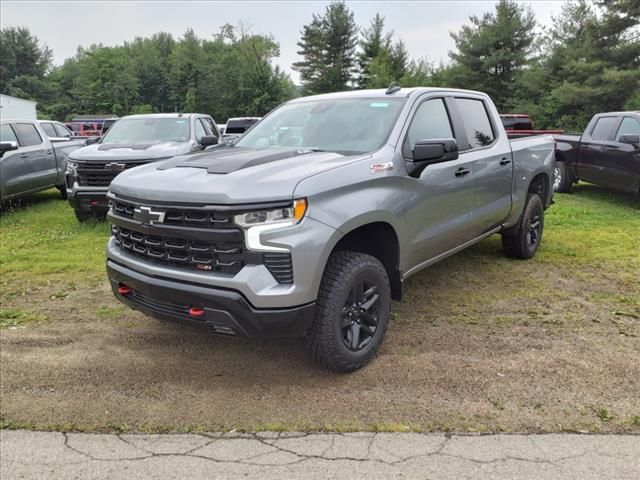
{"x": 476, "y": 122}
{"x": 604, "y": 128}
{"x": 209, "y": 123}
{"x": 7, "y": 134}
{"x": 200, "y": 130}
{"x": 430, "y": 121}
{"x": 629, "y": 126}
{"x": 48, "y": 129}
{"x": 27, "y": 134}
{"x": 62, "y": 130}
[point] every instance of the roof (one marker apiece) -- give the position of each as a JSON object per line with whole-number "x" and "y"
{"x": 381, "y": 93}
{"x": 16, "y": 98}
{"x": 635, "y": 112}
{"x": 163, "y": 115}
{"x": 84, "y": 118}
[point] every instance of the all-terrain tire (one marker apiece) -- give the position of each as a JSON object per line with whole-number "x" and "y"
{"x": 523, "y": 240}
{"x": 562, "y": 181}
{"x": 341, "y": 337}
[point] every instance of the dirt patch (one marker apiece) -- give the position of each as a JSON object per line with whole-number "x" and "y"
{"x": 476, "y": 345}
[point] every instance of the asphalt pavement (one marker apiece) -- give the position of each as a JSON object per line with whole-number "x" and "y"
{"x": 309, "y": 456}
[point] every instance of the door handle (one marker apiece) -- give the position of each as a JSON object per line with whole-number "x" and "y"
{"x": 462, "y": 171}
{"x": 505, "y": 161}
{"x": 24, "y": 155}
{"x": 48, "y": 152}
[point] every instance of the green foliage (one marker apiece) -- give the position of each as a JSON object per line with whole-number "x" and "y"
{"x": 328, "y": 46}
{"x": 492, "y": 50}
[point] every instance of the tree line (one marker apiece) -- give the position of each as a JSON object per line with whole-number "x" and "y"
{"x": 587, "y": 61}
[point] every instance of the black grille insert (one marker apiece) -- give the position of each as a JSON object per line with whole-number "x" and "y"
{"x": 184, "y": 252}
{"x": 97, "y": 174}
{"x": 280, "y": 266}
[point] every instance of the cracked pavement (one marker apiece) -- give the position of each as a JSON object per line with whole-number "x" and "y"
{"x": 272, "y": 455}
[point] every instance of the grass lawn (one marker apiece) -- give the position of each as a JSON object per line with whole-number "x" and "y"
{"x": 479, "y": 342}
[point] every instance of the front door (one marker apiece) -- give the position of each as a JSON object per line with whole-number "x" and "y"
{"x": 37, "y": 168}
{"x": 438, "y": 199}
{"x": 593, "y": 149}
{"x": 622, "y": 160}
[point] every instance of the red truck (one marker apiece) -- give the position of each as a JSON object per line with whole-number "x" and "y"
{"x": 520, "y": 125}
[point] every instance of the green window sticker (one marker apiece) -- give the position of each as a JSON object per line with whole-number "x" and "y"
{"x": 379, "y": 105}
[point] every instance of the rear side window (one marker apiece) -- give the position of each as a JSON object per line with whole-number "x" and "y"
{"x": 27, "y": 134}
{"x": 48, "y": 129}
{"x": 430, "y": 121}
{"x": 629, "y": 126}
{"x": 476, "y": 122}
{"x": 604, "y": 128}
{"x": 7, "y": 134}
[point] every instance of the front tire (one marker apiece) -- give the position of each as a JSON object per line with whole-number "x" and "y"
{"x": 352, "y": 314}
{"x": 562, "y": 182}
{"x": 63, "y": 191}
{"x": 523, "y": 240}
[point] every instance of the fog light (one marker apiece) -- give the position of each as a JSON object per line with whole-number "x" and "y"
{"x": 196, "y": 311}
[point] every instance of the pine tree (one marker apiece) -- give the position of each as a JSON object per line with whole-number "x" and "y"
{"x": 372, "y": 44}
{"x": 327, "y": 46}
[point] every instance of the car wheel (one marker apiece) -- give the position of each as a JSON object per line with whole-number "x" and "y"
{"x": 352, "y": 312}
{"x": 523, "y": 241}
{"x": 562, "y": 182}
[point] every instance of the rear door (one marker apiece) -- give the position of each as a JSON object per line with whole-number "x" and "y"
{"x": 621, "y": 160}
{"x": 593, "y": 149}
{"x": 489, "y": 155}
{"x": 37, "y": 166}
{"x": 439, "y": 198}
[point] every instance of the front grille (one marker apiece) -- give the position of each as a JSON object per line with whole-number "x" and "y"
{"x": 182, "y": 218}
{"x": 192, "y": 238}
{"x": 95, "y": 174}
{"x": 218, "y": 325}
{"x": 183, "y": 252}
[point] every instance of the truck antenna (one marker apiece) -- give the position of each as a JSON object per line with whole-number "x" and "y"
{"x": 393, "y": 88}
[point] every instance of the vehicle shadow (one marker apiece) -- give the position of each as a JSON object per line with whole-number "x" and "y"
{"x": 606, "y": 194}
{"x": 27, "y": 201}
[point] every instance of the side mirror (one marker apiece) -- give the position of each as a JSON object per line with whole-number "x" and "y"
{"x": 630, "y": 139}
{"x": 208, "y": 140}
{"x": 92, "y": 140}
{"x": 7, "y": 147}
{"x": 435, "y": 150}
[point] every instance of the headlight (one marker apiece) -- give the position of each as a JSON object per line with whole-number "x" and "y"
{"x": 71, "y": 166}
{"x": 284, "y": 216}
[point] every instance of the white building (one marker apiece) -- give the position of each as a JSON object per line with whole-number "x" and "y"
{"x": 12, "y": 107}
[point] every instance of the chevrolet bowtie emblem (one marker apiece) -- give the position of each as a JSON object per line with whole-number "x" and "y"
{"x": 115, "y": 166}
{"x": 147, "y": 216}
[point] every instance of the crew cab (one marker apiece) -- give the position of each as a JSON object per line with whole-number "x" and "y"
{"x": 310, "y": 223}
{"x": 29, "y": 160}
{"x": 606, "y": 154}
{"x": 132, "y": 141}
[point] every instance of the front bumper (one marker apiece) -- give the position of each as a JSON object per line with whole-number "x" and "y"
{"x": 88, "y": 199}
{"x": 221, "y": 311}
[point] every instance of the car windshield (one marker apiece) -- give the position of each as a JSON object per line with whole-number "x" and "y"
{"x": 348, "y": 126}
{"x": 148, "y": 130}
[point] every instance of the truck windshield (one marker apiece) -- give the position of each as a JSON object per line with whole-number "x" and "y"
{"x": 348, "y": 126}
{"x": 148, "y": 130}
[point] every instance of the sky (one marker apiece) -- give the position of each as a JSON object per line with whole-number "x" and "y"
{"x": 64, "y": 25}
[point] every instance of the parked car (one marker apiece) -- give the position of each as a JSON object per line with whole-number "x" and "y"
{"x": 607, "y": 154}
{"x": 235, "y": 127}
{"x": 29, "y": 160}
{"x": 85, "y": 129}
{"x": 131, "y": 141}
{"x": 312, "y": 235}
{"x": 519, "y": 125}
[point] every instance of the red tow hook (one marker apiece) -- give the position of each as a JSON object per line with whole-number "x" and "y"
{"x": 196, "y": 311}
{"x": 124, "y": 290}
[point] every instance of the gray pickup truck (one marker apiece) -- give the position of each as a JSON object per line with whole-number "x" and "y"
{"x": 30, "y": 160}
{"x": 131, "y": 141}
{"x": 311, "y": 222}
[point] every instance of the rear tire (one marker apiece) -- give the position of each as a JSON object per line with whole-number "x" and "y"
{"x": 523, "y": 240}
{"x": 562, "y": 181}
{"x": 352, "y": 313}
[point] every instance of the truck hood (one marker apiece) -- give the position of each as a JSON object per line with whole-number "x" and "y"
{"x": 227, "y": 176}
{"x": 137, "y": 151}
